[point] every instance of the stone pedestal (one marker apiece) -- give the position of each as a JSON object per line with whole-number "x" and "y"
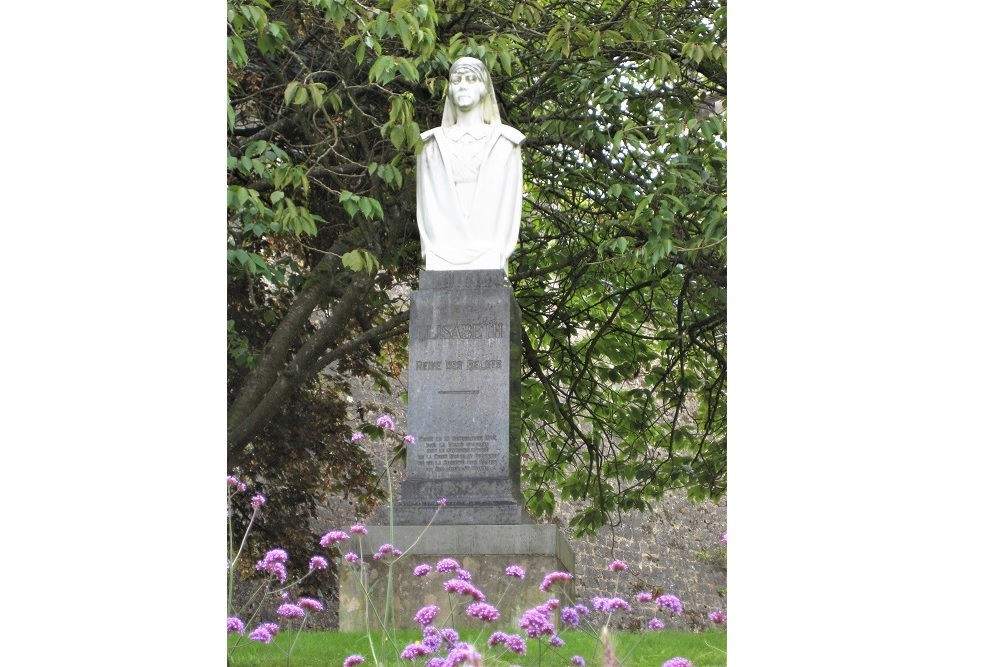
{"x": 484, "y": 551}
{"x": 464, "y": 415}
{"x": 464, "y": 401}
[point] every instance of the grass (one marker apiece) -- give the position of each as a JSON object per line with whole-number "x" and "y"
{"x": 329, "y": 648}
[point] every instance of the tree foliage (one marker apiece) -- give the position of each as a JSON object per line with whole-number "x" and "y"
{"x": 621, "y": 267}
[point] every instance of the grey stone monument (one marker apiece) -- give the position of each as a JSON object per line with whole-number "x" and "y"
{"x": 464, "y": 373}
{"x": 464, "y": 395}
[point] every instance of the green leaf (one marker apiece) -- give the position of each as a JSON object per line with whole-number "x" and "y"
{"x": 290, "y": 90}
{"x": 352, "y": 260}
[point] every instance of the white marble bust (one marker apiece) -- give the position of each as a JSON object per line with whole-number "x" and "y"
{"x": 469, "y": 178}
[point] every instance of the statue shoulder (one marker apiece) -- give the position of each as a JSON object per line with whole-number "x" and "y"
{"x": 430, "y": 134}
{"x": 512, "y": 135}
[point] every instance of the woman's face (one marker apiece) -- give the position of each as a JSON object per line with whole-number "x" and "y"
{"x": 466, "y": 89}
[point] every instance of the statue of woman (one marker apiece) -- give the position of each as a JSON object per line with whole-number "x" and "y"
{"x": 469, "y": 178}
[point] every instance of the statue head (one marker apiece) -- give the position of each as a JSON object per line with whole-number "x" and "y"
{"x": 468, "y": 68}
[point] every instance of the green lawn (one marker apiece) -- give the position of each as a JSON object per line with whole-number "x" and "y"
{"x": 329, "y": 648}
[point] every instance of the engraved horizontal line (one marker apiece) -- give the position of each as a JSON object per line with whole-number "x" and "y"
{"x": 459, "y": 391}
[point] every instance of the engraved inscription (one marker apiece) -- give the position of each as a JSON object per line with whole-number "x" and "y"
{"x": 458, "y": 364}
{"x": 458, "y": 455}
{"x": 460, "y": 331}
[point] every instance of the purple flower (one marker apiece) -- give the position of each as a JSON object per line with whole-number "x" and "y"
{"x": 464, "y": 588}
{"x": 724, "y": 540}
{"x": 433, "y": 641}
{"x": 275, "y": 556}
{"x": 553, "y": 577}
{"x": 413, "y": 651}
{"x": 447, "y": 565}
{"x": 617, "y": 566}
{"x": 655, "y": 624}
{"x": 352, "y": 660}
{"x": 571, "y": 617}
{"x": 264, "y": 633}
{"x": 515, "y": 644}
{"x": 670, "y": 601}
{"x": 333, "y": 537}
{"x": 355, "y": 437}
{"x": 257, "y": 501}
{"x": 514, "y": 571}
{"x": 644, "y": 596}
{"x": 426, "y": 614}
{"x": 235, "y": 482}
{"x": 291, "y": 611}
{"x": 421, "y": 570}
{"x": 609, "y": 605}
{"x": 463, "y": 653}
{"x": 260, "y": 635}
{"x": 497, "y": 638}
{"x": 385, "y": 421}
{"x": 450, "y": 637}
{"x": 359, "y": 528}
{"x": 582, "y": 608}
{"x": 442, "y": 501}
{"x": 535, "y": 623}
{"x": 464, "y": 575}
{"x": 482, "y": 611}
{"x": 351, "y": 557}
{"x": 556, "y": 641}
{"x": 311, "y": 604}
{"x": 274, "y": 562}
{"x": 677, "y": 662}
{"x": 718, "y": 616}
{"x": 318, "y": 563}
{"x": 234, "y": 624}
{"x": 578, "y": 661}
{"x": 409, "y": 439}
{"x": 436, "y": 662}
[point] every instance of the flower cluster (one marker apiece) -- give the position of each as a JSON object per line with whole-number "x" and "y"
{"x": 617, "y": 566}
{"x": 426, "y": 615}
{"x": 333, "y": 537}
{"x": 385, "y": 550}
{"x": 265, "y": 632}
{"x": 288, "y": 610}
{"x": 514, "y": 643}
{"x": 609, "y": 605}
{"x": 482, "y": 611}
{"x": 514, "y": 571}
{"x": 671, "y": 602}
{"x": 677, "y": 662}
{"x": 535, "y": 622}
{"x": 463, "y": 587}
{"x": 274, "y": 562}
{"x": 717, "y": 616}
{"x": 447, "y": 565}
{"x": 553, "y": 577}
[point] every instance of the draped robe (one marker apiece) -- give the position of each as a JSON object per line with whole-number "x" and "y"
{"x": 485, "y": 237}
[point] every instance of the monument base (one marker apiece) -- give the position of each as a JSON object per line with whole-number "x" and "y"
{"x": 485, "y": 551}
